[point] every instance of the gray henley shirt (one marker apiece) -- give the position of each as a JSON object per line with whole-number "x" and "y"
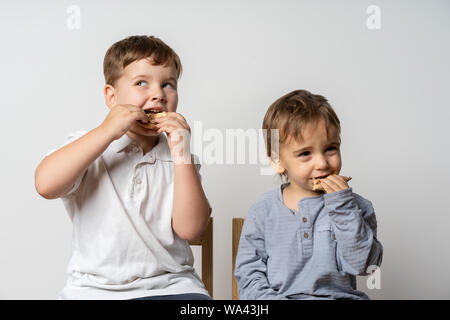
{"x": 314, "y": 253}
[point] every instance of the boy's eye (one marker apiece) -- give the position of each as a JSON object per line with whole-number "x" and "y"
{"x": 307, "y": 153}
{"x": 141, "y": 83}
{"x": 165, "y": 85}
{"x": 304, "y": 154}
{"x": 331, "y": 149}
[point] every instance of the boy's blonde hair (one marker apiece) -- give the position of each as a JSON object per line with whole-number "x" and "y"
{"x": 134, "y": 48}
{"x": 290, "y": 113}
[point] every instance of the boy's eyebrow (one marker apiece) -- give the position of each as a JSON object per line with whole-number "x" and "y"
{"x": 140, "y": 76}
{"x": 172, "y": 78}
{"x": 302, "y": 149}
{"x": 148, "y": 76}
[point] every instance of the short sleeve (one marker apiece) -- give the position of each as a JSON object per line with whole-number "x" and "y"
{"x": 71, "y": 138}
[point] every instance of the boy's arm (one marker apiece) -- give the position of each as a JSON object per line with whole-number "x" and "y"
{"x": 251, "y": 260}
{"x": 355, "y": 228}
{"x": 56, "y": 174}
{"x": 190, "y": 208}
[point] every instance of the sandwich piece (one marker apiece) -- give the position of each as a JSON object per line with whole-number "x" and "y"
{"x": 317, "y": 186}
{"x": 152, "y": 114}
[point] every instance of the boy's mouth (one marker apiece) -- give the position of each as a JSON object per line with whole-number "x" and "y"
{"x": 151, "y": 114}
{"x": 317, "y": 186}
{"x": 154, "y": 111}
{"x": 321, "y": 177}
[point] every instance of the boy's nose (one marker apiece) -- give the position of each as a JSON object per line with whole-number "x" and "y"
{"x": 157, "y": 94}
{"x": 321, "y": 162}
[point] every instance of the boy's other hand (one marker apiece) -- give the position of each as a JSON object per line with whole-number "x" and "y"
{"x": 334, "y": 183}
{"x": 121, "y": 118}
{"x": 178, "y": 134}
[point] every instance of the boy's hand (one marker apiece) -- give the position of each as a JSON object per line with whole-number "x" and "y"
{"x": 178, "y": 134}
{"x": 121, "y": 118}
{"x": 334, "y": 183}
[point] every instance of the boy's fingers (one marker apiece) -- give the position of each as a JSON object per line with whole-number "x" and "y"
{"x": 332, "y": 183}
{"x": 170, "y": 128}
{"x": 174, "y": 122}
{"x": 166, "y": 127}
{"x": 140, "y": 115}
{"x": 130, "y": 108}
{"x": 178, "y": 116}
{"x": 172, "y": 116}
{"x": 326, "y": 186}
{"x": 341, "y": 181}
{"x": 337, "y": 182}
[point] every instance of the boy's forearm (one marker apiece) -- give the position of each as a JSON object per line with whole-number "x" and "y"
{"x": 190, "y": 207}
{"x": 57, "y": 173}
{"x": 356, "y": 240}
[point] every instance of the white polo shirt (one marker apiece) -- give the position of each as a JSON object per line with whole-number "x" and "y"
{"x": 123, "y": 244}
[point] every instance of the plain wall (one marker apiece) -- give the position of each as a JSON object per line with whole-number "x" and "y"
{"x": 389, "y": 86}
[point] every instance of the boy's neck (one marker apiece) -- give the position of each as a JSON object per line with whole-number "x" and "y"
{"x": 146, "y": 143}
{"x": 292, "y": 194}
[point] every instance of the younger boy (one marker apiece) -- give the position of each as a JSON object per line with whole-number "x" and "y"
{"x": 132, "y": 197}
{"x": 297, "y": 243}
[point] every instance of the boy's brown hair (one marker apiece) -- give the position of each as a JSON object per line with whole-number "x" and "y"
{"x": 134, "y": 48}
{"x": 290, "y": 113}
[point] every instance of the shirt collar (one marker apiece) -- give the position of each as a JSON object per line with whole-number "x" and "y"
{"x": 121, "y": 143}
{"x": 160, "y": 150}
{"x": 309, "y": 198}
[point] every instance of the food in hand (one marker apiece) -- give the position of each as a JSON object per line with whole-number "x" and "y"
{"x": 152, "y": 114}
{"x": 317, "y": 186}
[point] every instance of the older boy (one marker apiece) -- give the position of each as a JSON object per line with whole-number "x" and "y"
{"x": 298, "y": 243}
{"x": 132, "y": 208}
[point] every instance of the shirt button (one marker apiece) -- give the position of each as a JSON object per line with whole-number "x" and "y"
{"x": 136, "y": 149}
{"x": 304, "y": 220}
{"x": 306, "y": 235}
{"x": 138, "y": 181}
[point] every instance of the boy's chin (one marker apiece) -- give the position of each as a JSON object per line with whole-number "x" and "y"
{"x": 143, "y": 131}
{"x": 305, "y": 189}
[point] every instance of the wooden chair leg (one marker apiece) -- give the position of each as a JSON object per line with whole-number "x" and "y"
{"x": 207, "y": 257}
{"x": 206, "y": 242}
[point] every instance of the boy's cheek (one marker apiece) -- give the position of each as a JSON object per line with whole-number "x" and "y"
{"x": 130, "y": 96}
{"x": 173, "y": 104}
{"x": 335, "y": 164}
{"x": 338, "y": 162}
{"x": 138, "y": 101}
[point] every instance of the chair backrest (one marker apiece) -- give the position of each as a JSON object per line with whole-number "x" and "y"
{"x": 206, "y": 242}
{"x": 236, "y": 231}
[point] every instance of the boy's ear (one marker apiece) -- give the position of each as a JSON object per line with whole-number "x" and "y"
{"x": 276, "y": 164}
{"x": 110, "y": 95}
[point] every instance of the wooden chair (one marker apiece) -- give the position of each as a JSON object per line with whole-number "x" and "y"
{"x": 238, "y": 223}
{"x": 206, "y": 242}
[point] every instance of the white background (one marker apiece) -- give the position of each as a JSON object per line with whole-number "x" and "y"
{"x": 390, "y": 88}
